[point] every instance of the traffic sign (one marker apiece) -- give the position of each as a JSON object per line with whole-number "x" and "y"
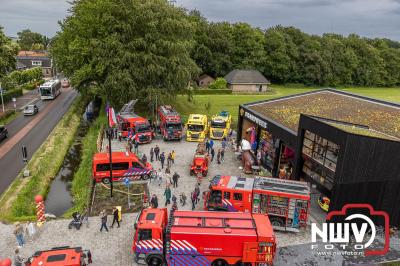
{"x": 14, "y": 99}
{"x": 127, "y": 181}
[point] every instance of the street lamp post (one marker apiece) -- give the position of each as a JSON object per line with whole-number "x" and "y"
{"x": 109, "y": 149}
{"x": 110, "y": 156}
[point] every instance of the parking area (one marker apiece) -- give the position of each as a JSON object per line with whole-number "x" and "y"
{"x": 114, "y": 247}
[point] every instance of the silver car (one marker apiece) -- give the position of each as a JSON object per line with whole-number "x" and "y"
{"x": 31, "y": 109}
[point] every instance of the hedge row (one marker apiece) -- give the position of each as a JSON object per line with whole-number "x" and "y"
{"x": 8, "y": 95}
{"x": 209, "y": 91}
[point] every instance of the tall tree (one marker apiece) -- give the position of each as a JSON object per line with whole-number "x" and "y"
{"x": 126, "y": 48}
{"x": 8, "y": 52}
{"x": 29, "y": 40}
{"x": 248, "y": 46}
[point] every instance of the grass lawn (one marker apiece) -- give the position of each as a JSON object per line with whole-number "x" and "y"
{"x": 212, "y": 104}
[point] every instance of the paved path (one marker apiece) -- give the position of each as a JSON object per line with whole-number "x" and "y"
{"x": 30, "y": 131}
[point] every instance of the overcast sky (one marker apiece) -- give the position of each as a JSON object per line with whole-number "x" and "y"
{"x": 371, "y": 18}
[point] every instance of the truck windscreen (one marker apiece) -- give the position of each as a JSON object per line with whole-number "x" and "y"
{"x": 218, "y": 124}
{"x": 196, "y": 128}
{"x": 174, "y": 126}
{"x": 45, "y": 91}
{"x": 142, "y": 128}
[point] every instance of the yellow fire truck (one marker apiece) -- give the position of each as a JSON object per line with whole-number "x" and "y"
{"x": 196, "y": 127}
{"x": 220, "y": 125}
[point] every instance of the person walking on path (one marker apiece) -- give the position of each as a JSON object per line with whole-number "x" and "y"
{"x": 167, "y": 194}
{"x": 212, "y": 154}
{"x": 151, "y": 154}
{"x": 197, "y": 191}
{"x": 144, "y": 158}
{"x": 193, "y": 198}
{"x": 162, "y": 160}
{"x": 169, "y": 160}
{"x": 154, "y": 201}
{"x": 18, "y": 260}
{"x": 211, "y": 144}
{"x": 182, "y": 199}
{"x": 130, "y": 145}
{"x": 115, "y": 217}
{"x": 19, "y": 234}
{"x": 222, "y": 154}
{"x": 175, "y": 178}
{"x": 174, "y": 199}
{"x": 223, "y": 143}
{"x": 208, "y": 146}
{"x": 136, "y": 146}
{"x": 173, "y": 156}
{"x": 103, "y": 218}
{"x": 219, "y": 156}
{"x": 160, "y": 175}
{"x": 157, "y": 152}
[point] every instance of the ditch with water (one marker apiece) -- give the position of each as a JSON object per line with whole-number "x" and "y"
{"x": 59, "y": 198}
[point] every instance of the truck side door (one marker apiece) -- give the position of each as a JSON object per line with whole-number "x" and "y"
{"x": 237, "y": 201}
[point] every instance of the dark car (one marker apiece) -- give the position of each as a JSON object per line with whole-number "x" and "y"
{"x": 31, "y": 109}
{"x": 3, "y": 133}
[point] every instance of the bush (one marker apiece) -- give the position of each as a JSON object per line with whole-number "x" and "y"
{"x": 6, "y": 114}
{"x": 218, "y": 84}
{"x": 30, "y": 86}
{"x": 8, "y": 95}
{"x": 214, "y": 91}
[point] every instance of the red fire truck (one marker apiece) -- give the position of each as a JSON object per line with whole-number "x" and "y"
{"x": 170, "y": 123}
{"x": 285, "y": 201}
{"x": 131, "y": 123}
{"x": 61, "y": 256}
{"x": 203, "y": 238}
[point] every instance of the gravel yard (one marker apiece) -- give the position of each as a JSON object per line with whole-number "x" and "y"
{"x": 114, "y": 247}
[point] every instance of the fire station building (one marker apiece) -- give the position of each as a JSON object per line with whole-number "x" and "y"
{"x": 347, "y": 145}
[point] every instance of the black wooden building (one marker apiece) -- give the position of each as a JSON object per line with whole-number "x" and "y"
{"x": 347, "y": 145}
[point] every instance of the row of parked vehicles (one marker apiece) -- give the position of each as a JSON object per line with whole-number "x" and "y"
{"x": 170, "y": 125}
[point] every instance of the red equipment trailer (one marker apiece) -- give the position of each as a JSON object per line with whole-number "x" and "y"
{"x": 61, "y": 256}
{"x": 203, "y": 238}
{"x": 286, "y": 202}
{"x": 170, "y": 123}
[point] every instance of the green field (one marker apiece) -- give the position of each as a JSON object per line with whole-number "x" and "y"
{"x": 212, "y": 104}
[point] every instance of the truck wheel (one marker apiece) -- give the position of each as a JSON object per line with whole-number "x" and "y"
{"x": 145, "y": 177}
{"x": 276, "y": 222}
{"x": 106, "y": 180}
{"x": 154, "y": 260}
{"x": 219, "y": 263}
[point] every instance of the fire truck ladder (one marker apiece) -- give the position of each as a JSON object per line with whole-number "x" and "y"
{"x": 128, "y": 108}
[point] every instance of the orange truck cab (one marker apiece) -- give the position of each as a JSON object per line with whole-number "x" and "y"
{"x": 61, "y": 256}
{"x": 286, "y": 202}
{"x": 136, "y": 126}
{"x": 124, "y": 165}
{"x": 203, "y": 238}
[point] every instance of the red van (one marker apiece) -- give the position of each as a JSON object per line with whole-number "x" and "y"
{"x": 124, "y": 164}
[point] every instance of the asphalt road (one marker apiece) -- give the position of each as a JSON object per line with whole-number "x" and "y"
{"x": 40, "y": 126}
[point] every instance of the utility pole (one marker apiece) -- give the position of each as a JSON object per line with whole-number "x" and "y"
{"x": 109, "y": 150}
